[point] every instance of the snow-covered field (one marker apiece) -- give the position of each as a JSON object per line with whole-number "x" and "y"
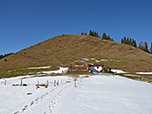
{"x": 96, "y": 94}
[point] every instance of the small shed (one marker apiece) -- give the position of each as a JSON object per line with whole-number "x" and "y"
{"x": 79, "y": 66}
{"x": 98, "y": 66}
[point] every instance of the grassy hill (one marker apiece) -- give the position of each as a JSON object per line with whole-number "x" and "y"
{"x": 64, "y": 49}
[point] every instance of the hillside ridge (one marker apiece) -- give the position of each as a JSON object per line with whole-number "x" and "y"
{"x": 64, "y": 49}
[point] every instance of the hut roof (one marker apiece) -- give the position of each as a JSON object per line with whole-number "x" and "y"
{"x": 98, "y": 64}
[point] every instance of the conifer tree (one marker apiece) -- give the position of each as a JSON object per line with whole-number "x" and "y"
{"x": 90, "y": 33}
{"x": 146, "y": 47}
{"x": 95, "y": 34}
{"x": 108, "y": 38}
{"x": 134, "y": 43}
{"x": 104, "y": 36}
{"x": 151, "y": 48}
{"x": 122, "y": 41}
{"x": 141, "y": 46}
{"x": 125, "y": 40}
{"x": 128, "y": 40}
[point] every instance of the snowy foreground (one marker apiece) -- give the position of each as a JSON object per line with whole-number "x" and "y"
{"x": 98, "y": 94}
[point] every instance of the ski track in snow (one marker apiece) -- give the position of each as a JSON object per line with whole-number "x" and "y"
{"x": 53, "y": 95}
{"x": 25, "y": 104}
{"x": 46, "y": 102}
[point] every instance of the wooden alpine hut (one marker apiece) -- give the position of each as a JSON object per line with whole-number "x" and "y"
{"x": 79, "y": 66}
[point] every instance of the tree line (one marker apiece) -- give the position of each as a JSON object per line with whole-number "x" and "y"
{"x": 129, "y": 41}
{"x": 142, "y": 45}
{"x": 96, "y": 34}
{"x": 2, "y": 56}
{"x": 151, "y": 48}
{"x": 126, "y": 40}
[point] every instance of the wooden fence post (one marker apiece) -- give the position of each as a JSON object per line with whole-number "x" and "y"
{"x": 75, "y": 83}
{"x": 47, "y": 83}
{"x": 5, "y": 82}
{"x": 21, "y": 83}
{"x": 38, "y": 82}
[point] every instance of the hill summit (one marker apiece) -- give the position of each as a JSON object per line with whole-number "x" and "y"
{"x": 64, "y": 49}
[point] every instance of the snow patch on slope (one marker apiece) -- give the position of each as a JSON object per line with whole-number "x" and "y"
{"x": 143, "y": 72}
{"x": 117, "y": 71}
{"x": 45, "y": 67}
{"x": 60, "y": 71}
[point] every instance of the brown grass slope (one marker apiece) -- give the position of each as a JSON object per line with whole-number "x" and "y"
{"x": 62, "y": 50}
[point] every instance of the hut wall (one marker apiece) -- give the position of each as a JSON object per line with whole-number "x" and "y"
{"x": 79, "y": 66}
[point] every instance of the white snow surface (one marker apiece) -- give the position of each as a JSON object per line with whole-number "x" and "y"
{"x": 97, "y": 61}
{"x": 104, "y": 60}
{"x": 117, "y": 71}
{"x": 96, "y": 94}
{"x": 60, "y": 71}
{"x": 45, "y": 67}
{"x": 143, "y": 72}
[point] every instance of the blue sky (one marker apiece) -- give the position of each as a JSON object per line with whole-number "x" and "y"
{"x": 24, "y": 23}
